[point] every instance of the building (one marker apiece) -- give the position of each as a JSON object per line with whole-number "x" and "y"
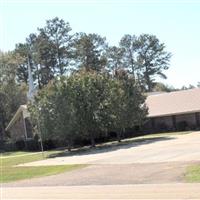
{"x": 20, "y": 127}
{"x": 178, "y": 110}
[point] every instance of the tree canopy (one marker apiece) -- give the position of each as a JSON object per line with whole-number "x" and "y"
{"x": 88, "y": 105}
{"x": 86, "y": 87}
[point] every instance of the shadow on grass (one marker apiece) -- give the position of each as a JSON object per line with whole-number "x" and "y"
{"x": 13, "y": 153}
{"x": 109, "y": 147}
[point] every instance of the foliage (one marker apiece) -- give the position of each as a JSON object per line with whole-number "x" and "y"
{"x": 87, "y": 105}
{"x": 161, "y": 87}
{"x": 144, "y": 57}
{"x": 53, "y": 51}
{"x": 90, "y": 50}
{"x": 115, "y": 59}
{"x": 87, "y": 88}
{"x": 11, "y": 94}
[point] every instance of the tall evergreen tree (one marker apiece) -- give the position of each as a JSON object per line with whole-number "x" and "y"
{"x": 59, "y": 40}
{"x": 114, "y": 59}
{"x": 145, "y": 58}
{"x": 129, "y": 48}
{"x": 151, "y": 60}
{"x": 90, "y": 52}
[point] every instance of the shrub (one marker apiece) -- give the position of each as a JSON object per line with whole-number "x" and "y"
{"x": 32, "y": 145}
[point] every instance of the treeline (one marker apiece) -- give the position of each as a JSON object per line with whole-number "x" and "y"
{"x": 54, "y": 52}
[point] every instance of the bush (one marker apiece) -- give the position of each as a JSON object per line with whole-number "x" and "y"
{"x": 32, "y": 145}
{"x": 20, "y": 145}
{"x": 49, "y": 144}
{"x": 9, "y": 146}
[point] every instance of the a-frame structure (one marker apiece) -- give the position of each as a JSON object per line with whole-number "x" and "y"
{"x": 20, "y": 127}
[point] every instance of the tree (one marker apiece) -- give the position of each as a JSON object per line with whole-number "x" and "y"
{"x": 60, "y": 42}
{"x": 71, "y": 106}
{"x": 49, "y": 52}
{"x": 161, "y": 87}
{"x": 26, "y": 53}
{"x": 152, "y": 59}
{"x": 127, "y": 108}
{"x": 90, "y": 52}
{"x": 11, "y": 94}
{"x": 145, "y": 58}
{"x": 87, "y": 105}
{"x": 129, "y": 48}
{"x": 11, "y": 97}
{"x": 8, "y": 67}
{"x": 114, "y": 59}
{"x": 187, "y": 87}
{"x": 89, "y": 98}
{"x": 3, "y": 108}
{"x": 45, "y": 59}
{"x": 22, "y": 52}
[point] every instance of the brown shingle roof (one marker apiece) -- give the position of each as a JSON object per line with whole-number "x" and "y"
{"x": 180, "y": 102}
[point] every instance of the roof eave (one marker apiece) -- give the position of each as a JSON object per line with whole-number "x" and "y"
{"x": 15, "y": 117}
{"x": 172, "y": 114}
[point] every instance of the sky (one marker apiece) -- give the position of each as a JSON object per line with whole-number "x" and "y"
{"x": 175, "y": 22}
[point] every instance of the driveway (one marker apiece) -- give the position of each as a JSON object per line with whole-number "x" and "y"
{"x": 160, "y": 160}
{"x": 180, "y": 148}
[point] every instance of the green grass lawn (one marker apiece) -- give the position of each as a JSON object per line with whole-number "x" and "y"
{"x": 10, "y": 172}
{"x": 193, "y": 173}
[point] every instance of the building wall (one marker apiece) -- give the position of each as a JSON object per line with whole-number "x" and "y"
{"x": 174, "y": 122}
{"x": 189, "y": 118}
{"x": 17, "y": 131}
{"x": 28, "y": 128}
{"x": 164, "y": 121}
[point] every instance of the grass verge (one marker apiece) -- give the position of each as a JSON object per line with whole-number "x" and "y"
{"x": 10, "y": 172}
{"x": 193, "y": 174}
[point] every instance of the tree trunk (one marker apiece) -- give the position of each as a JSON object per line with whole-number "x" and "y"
{"x": 148, "y": 81}
{"x": 119, "y": 136}
{"x": 69, "y": 145}
{"x": 2, "y": 134}
{"x": 92, "y": 140}
{"x": 69, "y": 148}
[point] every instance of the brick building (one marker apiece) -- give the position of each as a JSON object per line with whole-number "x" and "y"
{"x": 178, "y": 110}
{"x": 20, "y": 126}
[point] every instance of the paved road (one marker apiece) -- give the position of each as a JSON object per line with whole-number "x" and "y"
{"x": 181, "y": 148}
{"x": 111, "y": 175}
{"x": 150, "y": 192}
